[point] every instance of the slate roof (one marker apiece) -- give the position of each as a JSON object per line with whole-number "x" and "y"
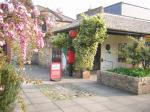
{"x": 118, "y": 23}
{"x": 61, "y": 17}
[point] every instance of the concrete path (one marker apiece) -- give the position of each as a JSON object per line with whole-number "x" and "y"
{"x": 78, "y": 96}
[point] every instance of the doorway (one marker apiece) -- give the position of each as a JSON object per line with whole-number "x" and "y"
{"x": 97, "y": 59}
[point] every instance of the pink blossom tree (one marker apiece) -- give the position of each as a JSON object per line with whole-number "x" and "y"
{"x": 19, "y": 27}
{"x": 20, "y": 32}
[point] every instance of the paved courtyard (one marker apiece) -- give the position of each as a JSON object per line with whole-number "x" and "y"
{"x": 78, "y": 95}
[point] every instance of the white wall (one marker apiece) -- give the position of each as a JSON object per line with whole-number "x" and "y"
{"x": 111, "y": 59}
{"x": 133, "y": 11}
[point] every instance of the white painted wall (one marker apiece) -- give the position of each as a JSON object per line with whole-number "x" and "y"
{"x": 111, "y": 59}
{"x": 133, "y": 11}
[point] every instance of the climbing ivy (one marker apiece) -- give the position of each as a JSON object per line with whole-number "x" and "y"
{"x": 60, "y": 40}
{"x": 92, "y": 32}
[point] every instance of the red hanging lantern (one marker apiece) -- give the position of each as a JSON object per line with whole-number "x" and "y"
{"x": 70, "y": 57}
{"x": 73, "y": 33}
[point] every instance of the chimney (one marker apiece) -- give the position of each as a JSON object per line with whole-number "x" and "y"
{"x": 91, "y": 12}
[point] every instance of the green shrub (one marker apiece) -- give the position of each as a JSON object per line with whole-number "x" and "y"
{"x": 59, "y": 40}
{"x": 92, "y": 32}
{"x": 10, "y": 86}
{"x": 135, "y": 72}
{"x": 137, "y": 53}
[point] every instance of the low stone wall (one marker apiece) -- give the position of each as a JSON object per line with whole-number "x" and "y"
{"x": 128, "y": 83}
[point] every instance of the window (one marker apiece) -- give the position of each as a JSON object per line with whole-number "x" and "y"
{"x": 3, "y": 48}
{"x": 147, "y": 44}
{"x": 44, "y": 27}
{"x": 121, "y": 53}
{"x": 56, "y": 55}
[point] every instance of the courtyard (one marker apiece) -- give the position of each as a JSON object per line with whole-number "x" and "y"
{"x": 103, "y": 51}
{"x": 77, "y": 95}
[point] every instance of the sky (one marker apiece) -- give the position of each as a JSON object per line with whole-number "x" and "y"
{"x": 73, "y": 7}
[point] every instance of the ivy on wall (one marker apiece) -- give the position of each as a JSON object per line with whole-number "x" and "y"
{"x": 60, "y": 40}
{"x": 92, "y": 32}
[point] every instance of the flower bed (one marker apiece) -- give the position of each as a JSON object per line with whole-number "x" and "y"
{"x": 135, "y": 72}
{"x": 136, "y": 85}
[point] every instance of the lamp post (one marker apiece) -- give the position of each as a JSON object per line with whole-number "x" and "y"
{"x": 71, "y": 52}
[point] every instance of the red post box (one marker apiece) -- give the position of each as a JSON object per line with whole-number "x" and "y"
{"x": 70, "y": 57}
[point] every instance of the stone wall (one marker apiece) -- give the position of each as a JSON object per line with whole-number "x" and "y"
{"x": 144, "y": 85}
{"x": 124, "y": 82}
{"x": 35, "y": 59}
{"x": 45, "y": 54}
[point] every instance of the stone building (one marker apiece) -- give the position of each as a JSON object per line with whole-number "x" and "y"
{"x": 130, "y": 10}
{"x": 43, "y": 57}
{"x": 119, "y": 27}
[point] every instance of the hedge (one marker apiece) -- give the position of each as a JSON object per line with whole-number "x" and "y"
{"x": 9, "y": 86}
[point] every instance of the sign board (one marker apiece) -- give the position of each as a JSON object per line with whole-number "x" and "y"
{"x": 55, "y": 71}
{"x": 147, "y": 38}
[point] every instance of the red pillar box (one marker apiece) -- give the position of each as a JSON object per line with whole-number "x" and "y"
{"x": 55, "y": 71}
{"x": 70, "y": 57}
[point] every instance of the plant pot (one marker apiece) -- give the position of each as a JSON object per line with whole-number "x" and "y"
{"x": 86, "y": 74}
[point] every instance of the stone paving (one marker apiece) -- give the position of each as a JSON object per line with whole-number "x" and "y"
{"x": 99, "y": 99}
{"x": 64, "y": 91}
